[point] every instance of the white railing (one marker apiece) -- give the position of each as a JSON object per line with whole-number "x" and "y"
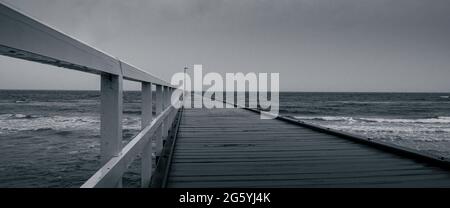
{"x": 26, "y": 38}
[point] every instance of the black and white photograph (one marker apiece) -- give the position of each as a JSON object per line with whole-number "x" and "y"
{"x": 260, "y": 94}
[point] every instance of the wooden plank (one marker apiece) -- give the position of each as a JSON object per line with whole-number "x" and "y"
{"x": 414, "y": 180}
{"x": 246, "y": 159}
{"x": 304, "y": 176}
{"x": 341, "y": 172}
{"x": 235, "y": 148}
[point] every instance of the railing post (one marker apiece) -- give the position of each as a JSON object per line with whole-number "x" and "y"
{"x": 169, "y": 117}
{"x": 159, "y": 109}
{"x": 111, "y": 119}
{"x": 167, "y": 93}
{"x": 147, "y": 113}
{"x": 158, "y": 101}
{"x": 165, "y": 120}
{"x": 170, "y": 104}
{"x": 169, "y": 97}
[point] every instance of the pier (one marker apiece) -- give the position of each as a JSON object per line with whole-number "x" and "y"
{"x": 235, "y": 148}
{"x": 230, "y": 147}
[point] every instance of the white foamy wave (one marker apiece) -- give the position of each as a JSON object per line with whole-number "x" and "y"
{"x": 20, "y": 122}
{"x": 16, "y": 116}
{"x": 19, "y": 116}
{"x": 11, "y": 123}
{"x": 440, "y": 119}
{"x": 325, "y": 118}
{"x": 365, "y": 102}
{"x": 397, "y": 132}
{"x": 393, "y": 130}
{"x": 423, "y": 120}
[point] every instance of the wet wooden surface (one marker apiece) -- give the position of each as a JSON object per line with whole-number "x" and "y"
{"x": 235, "y": 148}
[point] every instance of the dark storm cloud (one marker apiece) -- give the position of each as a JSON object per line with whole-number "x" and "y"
{"x": 316, "y": 45}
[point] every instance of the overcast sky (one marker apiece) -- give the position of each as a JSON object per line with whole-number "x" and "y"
{"x": 315, "y": 45}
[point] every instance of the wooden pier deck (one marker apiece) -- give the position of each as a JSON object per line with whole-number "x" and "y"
{"x": 235, "y": 148}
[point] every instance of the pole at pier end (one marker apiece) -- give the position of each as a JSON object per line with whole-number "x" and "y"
{"x": 184, "y": 84}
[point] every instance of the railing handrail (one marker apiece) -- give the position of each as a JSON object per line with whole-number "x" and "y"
{"x": 106, "y": 173}
{"x": 24, "y": 37}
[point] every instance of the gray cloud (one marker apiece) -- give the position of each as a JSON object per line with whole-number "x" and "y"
{"x": 315, "y": 45}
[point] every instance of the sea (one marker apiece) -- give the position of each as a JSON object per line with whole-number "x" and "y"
{"x": 51, "y": 138}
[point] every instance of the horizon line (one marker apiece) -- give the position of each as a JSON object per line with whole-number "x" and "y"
{"x": 288, "y": 91}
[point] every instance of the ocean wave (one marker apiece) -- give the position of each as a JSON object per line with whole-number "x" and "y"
{"x": 17, "y": 116}
{"x": 325, "y": 118}
{"x": 73, "y": 103}
{"x": 407, "y": 102}
{"x": 397, "y": 132}
{"x": 393, "y": 130}
{"x": 11, "y": 123}
{"x": 365, "y": 102}
{"x": 440, "y": 119}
